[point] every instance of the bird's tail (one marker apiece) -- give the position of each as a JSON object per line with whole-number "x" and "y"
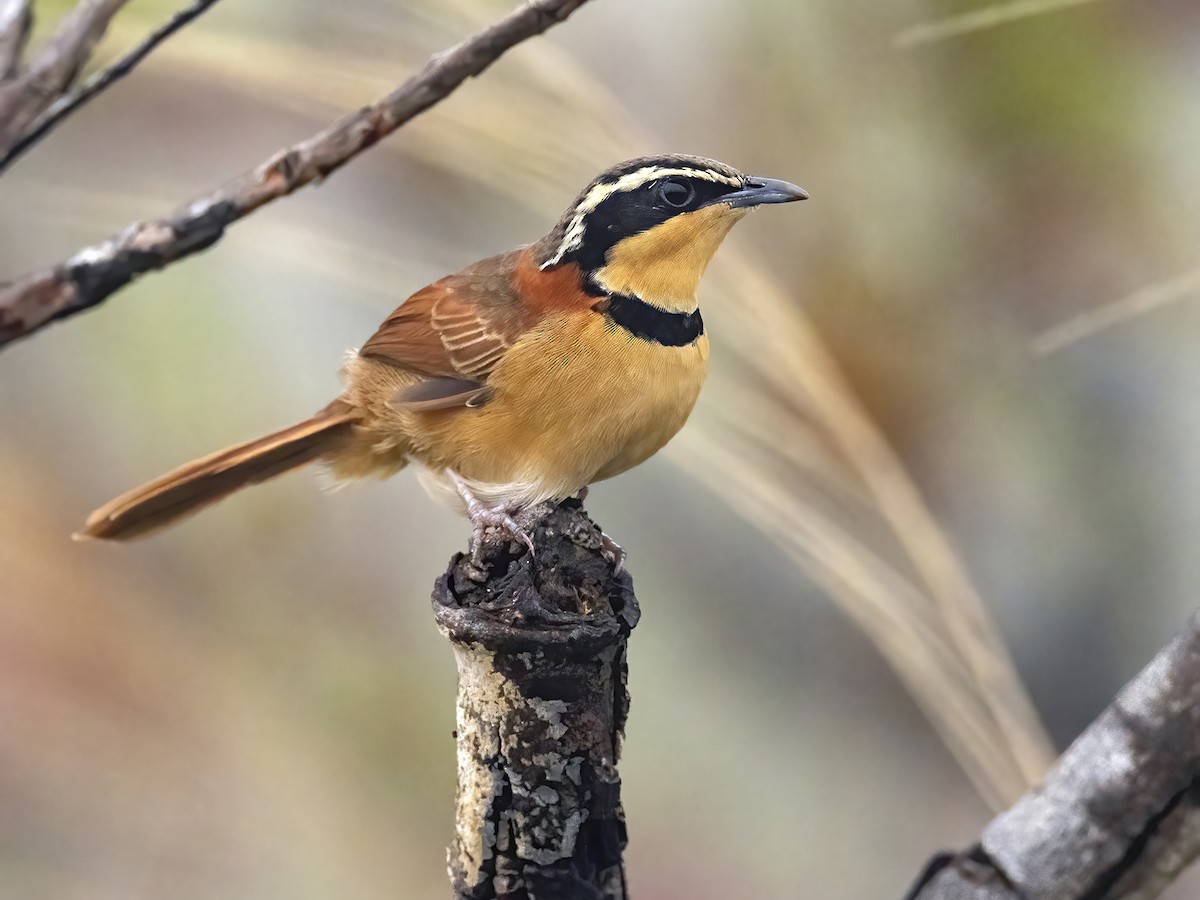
{"x": 204, "y": 481}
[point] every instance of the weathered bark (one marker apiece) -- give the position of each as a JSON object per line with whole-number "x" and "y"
{"x": 1119, "y": 814}
{"x": 540, "y": 645}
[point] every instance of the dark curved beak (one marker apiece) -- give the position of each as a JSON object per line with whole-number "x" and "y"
{"x": 759, "y": 191}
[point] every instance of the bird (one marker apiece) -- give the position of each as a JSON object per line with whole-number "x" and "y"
{"x": 525, "y": 377}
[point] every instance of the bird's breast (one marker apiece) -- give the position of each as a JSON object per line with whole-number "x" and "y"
{"x": 577, "y": 399}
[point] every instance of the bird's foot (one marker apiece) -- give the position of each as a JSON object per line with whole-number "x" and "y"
{"x": 613, "y": 552}
{"x": 610, "y": 549}
{"x": 484, "y": 517}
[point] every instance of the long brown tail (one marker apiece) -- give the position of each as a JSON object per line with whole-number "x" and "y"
{"x": 204, "y": 481}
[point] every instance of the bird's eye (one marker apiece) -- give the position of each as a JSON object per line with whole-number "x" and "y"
{"x": 676, "y": 192}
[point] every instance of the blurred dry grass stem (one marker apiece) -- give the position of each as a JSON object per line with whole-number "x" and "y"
{"x": 881, "y": 552}
{"x": 1133, "y": 306}
{"x": 979, "y": 20}
{"x": 837, "y": 501}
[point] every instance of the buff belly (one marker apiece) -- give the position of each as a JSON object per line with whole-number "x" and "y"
{"x": 577, "y": 400}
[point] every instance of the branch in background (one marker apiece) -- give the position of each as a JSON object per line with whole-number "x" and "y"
{"x": 94, "y": 273}
{"x": 99, "y": 82}
{"x": 16, "y": 21}
{"x": 542, "y": 702}
{"x": 979, "y": 20}
{"x": 54, "y": 68}
{"x": 1118, "y": 816}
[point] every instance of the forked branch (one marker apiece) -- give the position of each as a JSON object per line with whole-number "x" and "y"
{"x": 97, "y": 84}
{"x": 96, "y": 272}
{"x": 54, "y": 67}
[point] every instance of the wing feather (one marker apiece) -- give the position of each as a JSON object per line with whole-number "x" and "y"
{"x": 454, "y": 332}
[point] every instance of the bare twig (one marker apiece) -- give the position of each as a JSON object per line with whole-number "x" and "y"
{"x": 979, "y": 20}
{"x": 100, "y": 82}
{"x": 54, "y": 67}
{"x": 16, "y": 21}
{"x": 98, "y": 271}
{"x": 1118, "y": 816}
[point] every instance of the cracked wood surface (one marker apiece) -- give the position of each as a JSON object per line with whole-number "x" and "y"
{"x": 542, "y": 701}
{"x": 1119, "y": 814}
{"x": 96, "y": 272}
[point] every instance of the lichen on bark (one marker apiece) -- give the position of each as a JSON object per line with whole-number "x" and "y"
{"x": 540, "y": 643}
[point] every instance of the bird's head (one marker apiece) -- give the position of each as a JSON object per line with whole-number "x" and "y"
{"x": 649, "y": 227}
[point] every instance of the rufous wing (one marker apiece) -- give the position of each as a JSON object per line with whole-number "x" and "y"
{"x": 454, "y": 333}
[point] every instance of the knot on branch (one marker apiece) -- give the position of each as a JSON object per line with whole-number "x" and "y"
{"x": 564, "y": 599}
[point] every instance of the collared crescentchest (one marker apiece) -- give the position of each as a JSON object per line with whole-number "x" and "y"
{"x": 526, "y": 376}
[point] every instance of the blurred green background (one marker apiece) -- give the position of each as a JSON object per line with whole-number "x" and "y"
{"x": 257, "y": 704}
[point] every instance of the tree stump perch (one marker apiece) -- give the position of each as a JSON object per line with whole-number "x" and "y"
{"x": 541, "y": 650}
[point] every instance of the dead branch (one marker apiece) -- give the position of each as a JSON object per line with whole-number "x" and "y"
{"x": 98, "y": 83}
{"x": 96, "y": 272}
{"x": 1119, "y": 814}
{"x": 54, "y": 67}
{"x": 540, "y": 644}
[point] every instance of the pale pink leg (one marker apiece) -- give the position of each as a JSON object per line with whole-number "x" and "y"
{"x": 482, "y": 517}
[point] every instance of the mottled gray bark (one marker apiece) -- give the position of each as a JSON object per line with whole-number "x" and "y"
{"x": 1119, "y": 814}
{"x": 540, "y": 645}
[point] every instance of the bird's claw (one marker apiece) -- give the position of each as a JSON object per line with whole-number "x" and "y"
{"x": 613, "y": 552}
{"x": 609, "y": 549}
{"x": 484, "y": 517}
{"x": 500, "y": 517}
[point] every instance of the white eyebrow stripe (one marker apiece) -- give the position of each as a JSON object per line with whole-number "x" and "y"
{"x": 630, "y": 181}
